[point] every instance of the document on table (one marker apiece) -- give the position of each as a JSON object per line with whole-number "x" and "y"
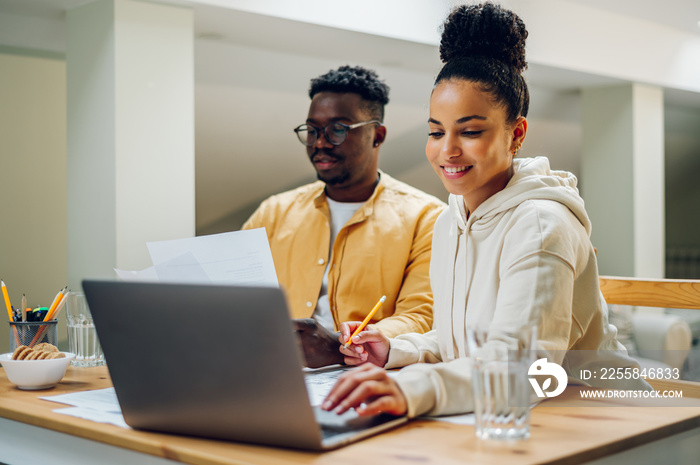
{"x": 319, "y": 381}
{"x": 100, "y": 406}
{"x": 238, "y": 257}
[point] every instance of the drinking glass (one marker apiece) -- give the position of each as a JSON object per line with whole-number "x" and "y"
{"x": 82, "y": 337}
{"x": 500, "y": 362}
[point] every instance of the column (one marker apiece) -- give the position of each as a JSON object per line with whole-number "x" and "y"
{"x": 622, "y": 177}
{"x": 130, "y": 160}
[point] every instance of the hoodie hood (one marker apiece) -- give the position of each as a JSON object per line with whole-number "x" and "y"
{"x": 532, "y": 179}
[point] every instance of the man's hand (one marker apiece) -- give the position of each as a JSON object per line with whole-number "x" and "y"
{"x": 321, "y": 346}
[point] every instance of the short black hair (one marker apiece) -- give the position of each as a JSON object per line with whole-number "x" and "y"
{"x": 485, "y": 44}
{"x": 356, "y": 80}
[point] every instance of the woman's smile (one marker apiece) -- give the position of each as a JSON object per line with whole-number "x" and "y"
{"x": 455, "y": 172}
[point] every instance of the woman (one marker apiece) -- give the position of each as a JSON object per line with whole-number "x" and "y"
{"x": 513, "y": 247}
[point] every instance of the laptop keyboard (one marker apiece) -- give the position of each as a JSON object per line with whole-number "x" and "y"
{"x": 318, "y": 384}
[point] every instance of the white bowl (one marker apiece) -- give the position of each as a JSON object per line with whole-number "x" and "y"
{"x": 35, "y": 374}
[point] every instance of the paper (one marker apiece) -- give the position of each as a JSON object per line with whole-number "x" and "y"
{"x": 238, "y": 257}
{"x": 183, "y": 268}
{"x": 148, "y": 274}
{"x": 319, "y": 382}
{"x": 100, "y": 405}
{"x": 114, "y": 418}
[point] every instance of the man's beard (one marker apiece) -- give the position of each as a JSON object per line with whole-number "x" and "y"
{"x": 335, "y": 180}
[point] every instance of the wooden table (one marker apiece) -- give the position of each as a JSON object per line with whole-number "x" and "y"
{"x": 565, "y": 429}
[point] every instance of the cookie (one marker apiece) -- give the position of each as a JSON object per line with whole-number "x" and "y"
{"x": 43, "y": 351}
{"x": 24, "y": 353}
{"x": 46, "y": 347}
{"x": 17, "y": 351}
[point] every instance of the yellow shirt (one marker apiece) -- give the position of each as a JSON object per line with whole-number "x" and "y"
{"x": 383, "y": 250}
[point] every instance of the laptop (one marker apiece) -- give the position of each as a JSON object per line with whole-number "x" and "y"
{"x": 214, "y": 361}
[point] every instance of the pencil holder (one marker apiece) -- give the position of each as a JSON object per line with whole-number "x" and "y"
{"x": 31, "y": 333}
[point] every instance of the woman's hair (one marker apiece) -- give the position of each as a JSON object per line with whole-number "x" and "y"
{"x": 485, "y": 44}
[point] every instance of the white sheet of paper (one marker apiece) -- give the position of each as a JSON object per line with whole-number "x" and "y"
{"x": 104, "y": 400}
{"x": 183, "y": 268}
{"x": 320, "y": 381}
{"x": 102, "y": 406}
{"x": 147, "y": 274}
{"x": 99, "y": 405}
{"x": 238, "y": 257}
{"x": 113, "y": 418}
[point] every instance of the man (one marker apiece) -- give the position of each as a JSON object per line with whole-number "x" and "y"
{"x": 341, "y": 243}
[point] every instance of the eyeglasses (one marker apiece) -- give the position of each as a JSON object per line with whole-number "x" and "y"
{"x": 335, "y": 133}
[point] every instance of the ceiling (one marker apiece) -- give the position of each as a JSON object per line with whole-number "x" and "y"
{"x": 251, "y": 76}
{"x": 679, "y": 14}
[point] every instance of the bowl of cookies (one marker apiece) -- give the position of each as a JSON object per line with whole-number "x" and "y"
{"x": 38, "y": 367}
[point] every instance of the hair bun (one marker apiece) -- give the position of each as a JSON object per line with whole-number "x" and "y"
{"x": 484, "y": 30}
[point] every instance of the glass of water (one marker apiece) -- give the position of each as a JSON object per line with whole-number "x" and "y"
{"x": 82, "y": 337}
{"x": 500, "y": 362}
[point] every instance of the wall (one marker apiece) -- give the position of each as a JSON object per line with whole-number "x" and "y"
{"x": 231, "y": 154}
{"x": 33, "y": 171}
{"x": 246, "y": 109}
{"x": 33, "y": 231}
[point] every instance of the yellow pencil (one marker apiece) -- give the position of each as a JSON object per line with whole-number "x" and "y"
{"x": 54, "y": 304}
{"x": 60, "y": 306}
{"x": 7, "y": 299}
{"x": 62, "y": 300}
{"x": 364, "y": 323}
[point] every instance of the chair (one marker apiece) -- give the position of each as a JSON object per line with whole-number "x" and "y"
{"x": 641, "y": 292}
{"x": 664, "y": 337}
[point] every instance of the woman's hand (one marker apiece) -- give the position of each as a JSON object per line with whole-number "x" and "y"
{"x": 370, "y": 345}
{"x": 369, "y": 390}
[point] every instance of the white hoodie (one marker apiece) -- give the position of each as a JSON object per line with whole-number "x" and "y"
{"x": 523, "y": 256}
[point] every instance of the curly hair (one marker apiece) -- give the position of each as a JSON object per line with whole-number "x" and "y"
{"x": 357, "y": 80}
{"x": 485, "y": 44}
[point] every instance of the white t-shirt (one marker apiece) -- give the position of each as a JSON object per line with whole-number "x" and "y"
{"x": 340, "y": 212}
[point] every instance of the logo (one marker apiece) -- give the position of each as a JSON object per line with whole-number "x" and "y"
{"x": 541, "y": 368}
